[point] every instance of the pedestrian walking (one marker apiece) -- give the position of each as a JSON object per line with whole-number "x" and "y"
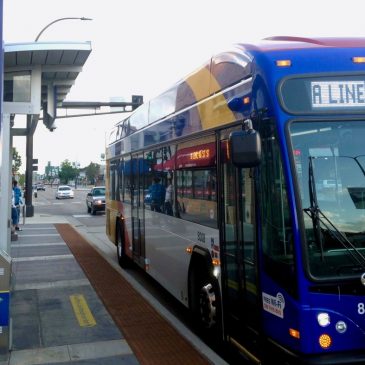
{"x": 18, "y": 201}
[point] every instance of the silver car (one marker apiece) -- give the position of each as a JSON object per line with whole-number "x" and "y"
{"x": 64, "y": 192}
{"x": 95, "y": 200}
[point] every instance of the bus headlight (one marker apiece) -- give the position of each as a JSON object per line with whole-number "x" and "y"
{"x": 323, "y": 319}
{"x": 341, "y": 327}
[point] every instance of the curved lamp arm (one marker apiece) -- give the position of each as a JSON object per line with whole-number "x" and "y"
{"x": 58, "y": 20}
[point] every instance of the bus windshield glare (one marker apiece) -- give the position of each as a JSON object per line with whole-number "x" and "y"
{"x": 329, "y": 161}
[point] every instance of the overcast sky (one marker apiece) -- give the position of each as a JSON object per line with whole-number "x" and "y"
{"x": 144, "y": 46}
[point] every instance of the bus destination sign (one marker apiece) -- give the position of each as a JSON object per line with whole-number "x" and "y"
{"x": 330, "y": 94}
{"x": 323, "y": 94}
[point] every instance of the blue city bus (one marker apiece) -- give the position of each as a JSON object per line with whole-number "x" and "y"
{"x": 265, "y": 148}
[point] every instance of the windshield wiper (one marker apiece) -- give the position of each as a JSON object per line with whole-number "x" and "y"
{"x": 359, "y": 163}
{"x": 318, "y": 217}
{"x": 313, "y": 210}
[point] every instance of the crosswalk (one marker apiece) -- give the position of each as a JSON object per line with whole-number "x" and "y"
{"x": 55, "y": 203}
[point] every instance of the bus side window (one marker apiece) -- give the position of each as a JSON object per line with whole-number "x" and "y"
{"x": 196, "y": 196}
{"x": 121, "y": 180}
{"x": 117, "y": 181}
{"x": 127, "y": 181}
{"x": 113, "y": 179}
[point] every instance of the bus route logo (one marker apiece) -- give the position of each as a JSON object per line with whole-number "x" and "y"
{"x": 274, "y": 305}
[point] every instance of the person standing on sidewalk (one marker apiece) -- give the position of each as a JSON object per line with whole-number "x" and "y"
{"x": 14, "y": 213}
{"x": 17, "y": 201}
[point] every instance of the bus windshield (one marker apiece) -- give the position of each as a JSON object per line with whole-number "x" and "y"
{"x": 329, "y": 159}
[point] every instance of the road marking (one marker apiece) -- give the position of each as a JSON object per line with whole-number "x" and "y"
{"x": 15, "y": 245}
{"x": 41, "y": 258}
{"x": 81, "y": 215}
{"x": 38, "y": 235}
{"x": 49, "y": 285}
{"x": 69, "y": 353}
{"x": 82, "y": 311}
{"x": 39, "y": 228}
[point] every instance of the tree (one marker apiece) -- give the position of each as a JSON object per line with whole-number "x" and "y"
{"x": 21, "y": 181}
{"x": 17, "y": 161}
{"x": 51, "y": 173}
{"x": 92, "y": 172}
{"x": 67, "y": 172}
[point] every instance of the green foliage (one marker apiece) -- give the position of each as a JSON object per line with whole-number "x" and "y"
{"x": 50, "y": 172}
{"x": 17, "y": 161}
{"x": 67, "y": 172}
{"x": 21, "y": 181}
{"x": 92, "y": 171}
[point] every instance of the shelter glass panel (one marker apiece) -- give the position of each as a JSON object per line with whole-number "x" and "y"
{"x": 17, "y": 86}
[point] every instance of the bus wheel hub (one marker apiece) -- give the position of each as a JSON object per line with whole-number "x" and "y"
{"x": 207, "y": 305}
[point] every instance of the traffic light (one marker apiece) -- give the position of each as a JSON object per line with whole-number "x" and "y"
{"x": 35, "y": 164}
{"x": 137, "y": 100}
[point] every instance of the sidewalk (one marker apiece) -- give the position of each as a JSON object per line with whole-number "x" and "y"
{"x": 57, "y": 317}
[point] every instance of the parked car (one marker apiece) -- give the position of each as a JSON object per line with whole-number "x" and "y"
{"x": 95, "y": 200}
{"x": 64, "y": 192}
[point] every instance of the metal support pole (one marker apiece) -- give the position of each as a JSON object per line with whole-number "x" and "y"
{"x": 29, "y": 208}
{"x": 5, "y": 187}
{"x": 5, "y": 231}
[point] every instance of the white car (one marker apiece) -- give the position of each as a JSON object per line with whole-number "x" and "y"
{"x": 64, "y": 192}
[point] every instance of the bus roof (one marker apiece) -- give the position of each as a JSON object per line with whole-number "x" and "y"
{"x": 290, "y": 43}
{"x": 222, "y": 71}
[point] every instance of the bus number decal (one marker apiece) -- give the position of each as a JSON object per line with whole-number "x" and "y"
{"x": 360, "y": 308}
{"x": 201, "y": 237}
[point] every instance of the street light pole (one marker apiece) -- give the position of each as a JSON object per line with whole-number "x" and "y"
{"x": 58, "y": 20}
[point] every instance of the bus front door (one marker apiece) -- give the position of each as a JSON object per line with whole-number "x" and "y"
{"x": 137, "y": 210}
{"x": 240, "y": 291}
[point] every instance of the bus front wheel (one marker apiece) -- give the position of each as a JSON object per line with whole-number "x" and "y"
{"x": 208, "y": 305}
{"x": 205, "y": 302}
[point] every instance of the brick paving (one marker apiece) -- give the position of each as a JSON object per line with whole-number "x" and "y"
{"x": 153, "y": 340}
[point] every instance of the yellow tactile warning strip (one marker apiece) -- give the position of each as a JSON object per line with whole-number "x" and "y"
{"x": 82, "y": 311}
{"x": 153, "y": 340}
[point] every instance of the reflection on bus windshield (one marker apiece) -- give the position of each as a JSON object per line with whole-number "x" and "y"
{"x": 329, "y": 166}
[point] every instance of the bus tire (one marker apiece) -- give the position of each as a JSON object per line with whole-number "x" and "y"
{"x": 123, "y": 260}
{"x": 205, "y": 302}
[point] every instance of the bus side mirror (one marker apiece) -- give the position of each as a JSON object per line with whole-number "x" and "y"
{"x": 245, "y": 148}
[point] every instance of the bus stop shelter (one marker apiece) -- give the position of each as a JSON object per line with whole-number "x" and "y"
{"x": 37, "y": 78}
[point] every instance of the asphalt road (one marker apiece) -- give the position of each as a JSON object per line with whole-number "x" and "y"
{"x": 46, "y": 203}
